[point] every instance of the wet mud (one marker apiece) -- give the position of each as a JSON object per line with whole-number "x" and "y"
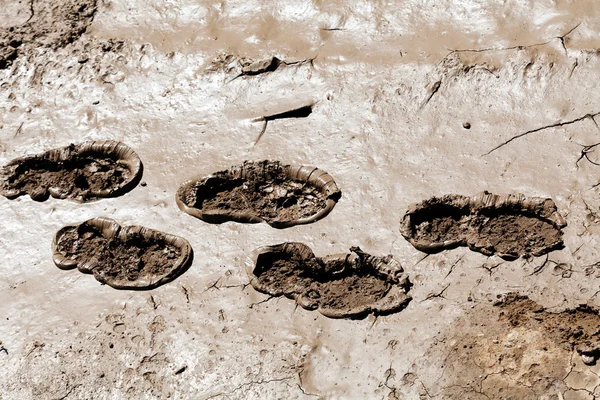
{"x": 82, "y": 172}
{"x": 411, "y": 100}
{"x": 280, "y": 195}
{"x": 53, "y": 24}
{"x": 349, "y": 285}
{"x": 510, "y": 226}
{"x": 131, "y": 257}
{"x": 515, "y": 349}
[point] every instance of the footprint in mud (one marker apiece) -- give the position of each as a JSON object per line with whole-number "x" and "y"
{"x": 508, "y": 226}
{"x": 82, "y": 172}
{"x": 130, "y": 257}
{"x": 45, "y": 23}
{"x": 515, "y": 349}
{"x": 257, "y": 191}
{"x": 338, "y": 286}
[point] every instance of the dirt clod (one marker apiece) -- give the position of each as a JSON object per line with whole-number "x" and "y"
{"x": 268, "y": 191}
{"x": 344, "y": 285}
{"x": 124, "y": 258}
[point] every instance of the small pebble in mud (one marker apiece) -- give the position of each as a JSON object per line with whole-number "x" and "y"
{"x": 588, "y": 360}
{"x": 467, "y": 125}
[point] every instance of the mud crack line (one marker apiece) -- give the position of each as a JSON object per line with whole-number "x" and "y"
{"x": 247, "y": 385}
{"x": 71, "y": 390}
{"x": 432, "y": 91}
{"x": 31, "y": 10}
{"x": 301, "y": 112}
{"x": 517, "y": 47}
{"x": 556, "y": 125}
{"x": 436, "y": 295}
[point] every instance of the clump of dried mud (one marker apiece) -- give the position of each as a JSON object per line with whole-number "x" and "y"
{"x": 124, "y": 258}
{"x": 344, "y": 285}
{"x": 82, "y": 172}
{"x": 508, "y": 226}
{"x": 52, "y": 24}
{"x": 279, "y": 194}
{"x": 515, "y": 349}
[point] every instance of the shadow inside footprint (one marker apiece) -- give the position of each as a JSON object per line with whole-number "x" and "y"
{"x": 439, "y": 223}
{"x": 131, "y": 257}
{"x": 83, "y": 172}
{"x": 338, "y": 286}
{"x": 508, "y": 226}
{"x": 281, "y": 195}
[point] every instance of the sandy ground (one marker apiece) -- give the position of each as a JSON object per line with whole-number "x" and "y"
{"x": 393, "y": 83}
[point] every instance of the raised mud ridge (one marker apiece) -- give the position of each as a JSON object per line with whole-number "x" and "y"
{"x": 508, "y": 226}
{"x": 130, "y": 257}
{"x": 82, "y": 172}
{"x": 280, "y": 195}
{"x": 43, "y": 23}
{"x": 338, "y": 286}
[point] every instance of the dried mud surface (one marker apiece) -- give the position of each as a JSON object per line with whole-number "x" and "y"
{"x": 508, "y": 226}
{"x": 124, "y": 258}
{"x": 399, "y": 102}
{"x": 46, "y": 23}
{"x": 344, "y": 285}
{"x": 514, "y": 349}
{"x": 83, "y": 172}
{"x": 268, "y": 191}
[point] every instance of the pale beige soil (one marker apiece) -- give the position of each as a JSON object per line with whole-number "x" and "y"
{"x": 392, "y": 85}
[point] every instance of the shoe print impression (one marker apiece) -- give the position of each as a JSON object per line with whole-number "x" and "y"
{"x": 79, "y": 172}
{"x": 280, "y": 195}
{"x": 350, "y": 285}
{"x": 123, "y": 257}
{"x": 509, "y": 226}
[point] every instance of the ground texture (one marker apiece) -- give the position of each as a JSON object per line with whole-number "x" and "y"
{"x": 406, "y": 101}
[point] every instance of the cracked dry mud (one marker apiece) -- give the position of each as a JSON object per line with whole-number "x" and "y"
{"x": 510, "y": 226}
{"x": 131, "y": 257}
{"x": 280, "y": 195}
{"x": 343, "y": 285}
{"x": 27, "y": 24}
{"x": 83, "y": 172}
{"x": 515, "y": 349}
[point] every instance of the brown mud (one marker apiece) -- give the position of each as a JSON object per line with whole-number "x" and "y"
{"x": 510, "y": 226}
{"x": 45, "y": 23}
{"x": 345, "y": 285}
{"x": 268, "y": 191}
{"x": 124, "y": 258}
{"x": 395, "y": 86}
{"x": 515, "y": 349}
{"x": 83, "y": 172}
